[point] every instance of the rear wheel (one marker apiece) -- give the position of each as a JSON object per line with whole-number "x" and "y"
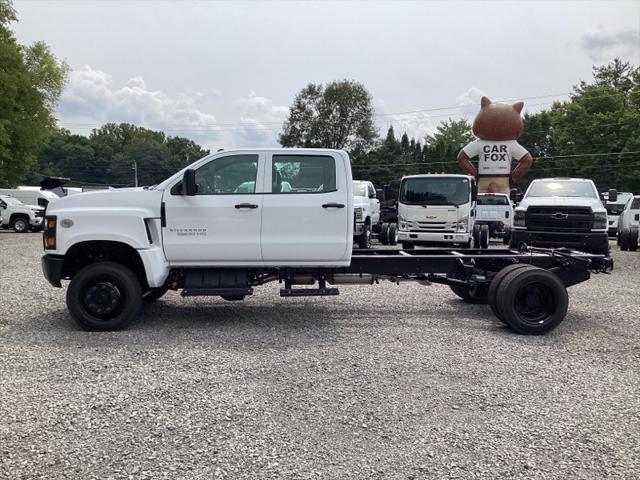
{"x": 393, "y": 234}
{"x": 495, "y": 284}
{"x": 476, "y": 295}
{"x": 20, "y": 225}
{"x": 532, "y": 301}
{"x": 484, "y": 236}
{"x": 624, "y": 239}
{"x": 633, "y": 240}
{"x": 476, "y": 236}
{"x": 364, "y": 239}
{"x": 104, "y": 296}
{"x": 383, "y": 237}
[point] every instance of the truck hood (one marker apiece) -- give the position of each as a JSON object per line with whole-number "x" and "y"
{"x": 430, "y": 213}
{"x": 148, "y": 201}
{"x": 594, "y": 203}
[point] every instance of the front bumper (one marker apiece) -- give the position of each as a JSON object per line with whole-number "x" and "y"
{"x": 433, "y": 237}
{"x": 35, "y": 222}
{"x": 52, "y": 268}
{"x": 597, "y": 242}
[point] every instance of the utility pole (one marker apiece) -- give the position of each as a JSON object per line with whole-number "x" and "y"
{"x": 135, "y": 172}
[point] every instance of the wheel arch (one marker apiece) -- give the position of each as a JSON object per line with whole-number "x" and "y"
{"x": 84, "y": 253}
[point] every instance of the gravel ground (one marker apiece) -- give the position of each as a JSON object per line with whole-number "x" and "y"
{"x": 384, "y": 382}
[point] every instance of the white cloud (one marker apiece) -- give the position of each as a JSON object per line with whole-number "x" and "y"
{"x": 471, "y": 96}
{"x": 603, "y": 45}
{"x": 92, "y": 99}
{"x": 260, "y": 121}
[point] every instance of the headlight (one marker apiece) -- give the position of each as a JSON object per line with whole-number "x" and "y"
{"x": 599, "y": 221}
{"x": 519, "y": 219}
{"x": 358, "y": 212}
{"x": 462, "y": 224}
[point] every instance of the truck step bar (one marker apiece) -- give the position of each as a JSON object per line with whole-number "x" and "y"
{"x": 308, "y": 292}
{"x": 222, "y": 292}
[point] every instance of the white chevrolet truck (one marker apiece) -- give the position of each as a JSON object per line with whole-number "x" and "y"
{"x": 561, "y": 212}
{"x": 196, "y": 233}
{"x": 20, "y": 216}
{"x": 366, "y": 208}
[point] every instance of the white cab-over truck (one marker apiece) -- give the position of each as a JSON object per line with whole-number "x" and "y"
{"x": 436, "y": 210}
{"x": 19, "y": 216}
{"x": 195, "y": 233}
{"x": 561, "y": 212}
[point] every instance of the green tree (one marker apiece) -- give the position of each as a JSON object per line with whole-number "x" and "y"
{"x": 443, "y": 146}
{"x": 31, "y": 81}
{"x": 338, "y": 115}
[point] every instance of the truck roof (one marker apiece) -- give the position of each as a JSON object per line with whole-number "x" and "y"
{"x": 563, "y": 178}
{"x": 429, "y": 175}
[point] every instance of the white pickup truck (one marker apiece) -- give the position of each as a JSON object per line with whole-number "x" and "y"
{"x": 496, "y": 211}
{"x": 19, "y": 216}
{"x": 366, "y": 208}
{"x": 197, "y": 233}
{"x": 629, "y": 225}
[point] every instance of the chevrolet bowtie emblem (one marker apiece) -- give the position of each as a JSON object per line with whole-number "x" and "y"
{"x": 559, "y": 216}
{"x": 430, "y": 217}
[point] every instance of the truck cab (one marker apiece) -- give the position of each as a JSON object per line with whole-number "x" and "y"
{"x": 561, "y": 212}
{"x": 436, "y": 210}
{"x": 366, "y": 209}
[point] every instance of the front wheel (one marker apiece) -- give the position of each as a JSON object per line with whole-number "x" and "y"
{"x": 20, "y": 225}
{"x": 154, "y": 294}
{"x": 383, "y": 236}
{"x": 104, "y": 296}
{"x": 633, "y": 240}
{"x": 624, "y": 239}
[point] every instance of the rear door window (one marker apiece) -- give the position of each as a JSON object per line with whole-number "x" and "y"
{"x": 303, "y": 174}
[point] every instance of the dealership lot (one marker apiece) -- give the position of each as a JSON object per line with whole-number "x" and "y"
{"x": 382, "y": 381}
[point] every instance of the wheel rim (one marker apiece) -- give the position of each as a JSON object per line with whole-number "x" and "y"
{"x": 20, "y": 225}
{"x": 103, "y": 300}
{"x": 534, "y": 303}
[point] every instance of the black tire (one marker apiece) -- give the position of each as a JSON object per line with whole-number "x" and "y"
{"x": 624, "y": 239}
{"x": 383, "y": 236}
{"x": 532, "y": 301}
{"x": 408, "y": 246}
{"x": 393, "y": 234}
{"x": 154, "y": 294}
{"x": 104, "y": 296}
{"x": 633, "y": 240}
{"x": 475, "y": 295}
{"x": 507, "y": 237}
{"x": 476, "y": 236}
{"x": 364, "y": 239}
{"x": 495, "y": 284}
{"x": 484, "y": 236}
{"x": 20, "y": 224}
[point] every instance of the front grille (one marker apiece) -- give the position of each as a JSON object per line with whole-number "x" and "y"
{"x": 430, "y": 227}
{"x": 559, "y": 219}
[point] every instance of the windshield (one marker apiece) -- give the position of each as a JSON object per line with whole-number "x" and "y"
{"x": 434, "y": 191}
{"x": 359, "y": 189}
{"x": 493, "y": 200}
{"x": 561, "y": 188}
{"x": 11, "y": 201}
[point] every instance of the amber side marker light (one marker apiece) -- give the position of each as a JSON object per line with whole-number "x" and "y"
{"x": 51, "y": 224}
{"x": 49, "y": 233}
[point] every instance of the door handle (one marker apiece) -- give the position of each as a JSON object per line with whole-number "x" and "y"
{"x": 247, "y": 205}
{"x": 333, "y": 205}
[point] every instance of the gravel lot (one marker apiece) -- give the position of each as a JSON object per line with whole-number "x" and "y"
{"x": 379, "y": 382}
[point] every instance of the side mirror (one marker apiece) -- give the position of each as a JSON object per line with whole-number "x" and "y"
{"x": 613, "y": 195}
{"x": 189, "y": 186}
{"x": 43, "y": 202}
{"x": 513, "y": 195}
{"x": 380, "y": 194}
{"x": 474, "y": 191}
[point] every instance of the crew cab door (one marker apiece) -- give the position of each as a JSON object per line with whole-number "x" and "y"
{"x": 221, "y": 223}
{"x": 308, "y": 213}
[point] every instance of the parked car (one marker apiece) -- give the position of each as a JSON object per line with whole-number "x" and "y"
{"x": 19, "y": 216}
{"x": 495, "y": 211}
{"x": 629, "y": 225}
{"x": 561, "y": 212}
{"x": 366, "y": 209}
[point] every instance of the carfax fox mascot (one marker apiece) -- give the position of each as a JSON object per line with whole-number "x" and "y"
{"x": 497, "y": 127}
